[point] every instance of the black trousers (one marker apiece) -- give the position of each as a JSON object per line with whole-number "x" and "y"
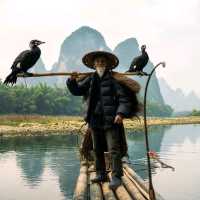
{"x": 111, "y": 138}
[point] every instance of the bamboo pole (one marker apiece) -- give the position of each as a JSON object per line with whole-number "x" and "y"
{"x": 141, "y": 184}
{"x": 132, "y": 189}
{"x": 138, "y": 179}
{"x": 108, "y": 194}
{"x": 70, "y": 73}
{"x": 141, "y": 192}
{"x": 121, "y": 192}
{"x": 80, "y": 192}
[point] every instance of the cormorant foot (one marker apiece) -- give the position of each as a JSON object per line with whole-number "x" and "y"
{"x": 141, "y": 73}
{"x": 144, "y": 73}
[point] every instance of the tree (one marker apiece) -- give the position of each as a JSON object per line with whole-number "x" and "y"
{"x": 45, "y": 100}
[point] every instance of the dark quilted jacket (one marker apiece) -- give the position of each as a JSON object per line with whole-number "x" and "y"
{"x": 105, "y": 99}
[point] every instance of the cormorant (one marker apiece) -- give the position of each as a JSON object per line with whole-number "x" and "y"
{"x": 24, "y": 61}
{"x": 140, "y": 62}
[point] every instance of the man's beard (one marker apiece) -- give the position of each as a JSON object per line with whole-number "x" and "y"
{"x": 100, "y": 71}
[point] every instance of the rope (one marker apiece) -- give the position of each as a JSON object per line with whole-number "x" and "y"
{"x": 79, "y": 130}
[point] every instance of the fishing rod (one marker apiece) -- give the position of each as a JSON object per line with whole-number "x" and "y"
{"x": 151, "y": 189}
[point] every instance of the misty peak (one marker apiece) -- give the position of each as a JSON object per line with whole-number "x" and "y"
{"x": 86, "y": 30}
{"x": 179, "y": 92}
{"x": 177, "y": 99}
{"x": 192, "y": 94}
{"x": 76, "y": 45}
{"x": 39, "y": 67}
{"x": 84, "y": 33}
{"x": 163, "y": 81}
{"x": 130, "y": 43}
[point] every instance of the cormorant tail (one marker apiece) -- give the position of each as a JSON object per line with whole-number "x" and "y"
{"x": 11, "y": 78}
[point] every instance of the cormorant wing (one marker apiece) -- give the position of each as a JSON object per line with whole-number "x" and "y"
{"x": 135, "y": 60}
{"x": 20, "y": 58}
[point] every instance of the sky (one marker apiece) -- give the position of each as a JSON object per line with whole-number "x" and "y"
{"x": 170, "y": 29}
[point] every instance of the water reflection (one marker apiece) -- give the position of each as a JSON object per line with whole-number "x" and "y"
{"x": 47, "y": 167}
{"x": 178, "y": 146}
{"x": 137, "y": 151}
{"x": 57, "y": 154}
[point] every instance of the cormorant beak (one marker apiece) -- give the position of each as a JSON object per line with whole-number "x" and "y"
{"x": 40, "y": 42}
{"x": 143, "y": 47}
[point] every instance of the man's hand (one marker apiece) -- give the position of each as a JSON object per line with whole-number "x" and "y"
{"x": 74, "y": 75}
{"x": 118, "y": 119}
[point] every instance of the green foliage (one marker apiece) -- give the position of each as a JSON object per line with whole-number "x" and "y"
{"x": 155, "y": 109}
{"x": 45, "y": 100}
{"x": 40, "y": 99}
{"x": 195, "y": 112}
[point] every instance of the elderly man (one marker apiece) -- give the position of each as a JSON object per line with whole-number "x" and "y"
{"x": 108, "y": 103}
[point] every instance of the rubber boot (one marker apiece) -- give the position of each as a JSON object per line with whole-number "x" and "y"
{"x": 100, "y": 177}
{"x": 115, "y": 182}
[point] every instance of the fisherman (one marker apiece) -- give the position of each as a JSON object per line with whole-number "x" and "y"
{"x": 108, "y": 103}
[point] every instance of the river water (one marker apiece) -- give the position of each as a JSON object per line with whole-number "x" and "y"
{"x": 47, "y": 167}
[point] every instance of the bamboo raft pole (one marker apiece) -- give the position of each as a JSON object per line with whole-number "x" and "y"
{"x": 70, "y": 73}
{"x": 81, "y": 188}
{"x": 133, "y": 186}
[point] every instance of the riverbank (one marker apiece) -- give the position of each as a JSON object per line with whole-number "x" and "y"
{"x": 28, "y": 125}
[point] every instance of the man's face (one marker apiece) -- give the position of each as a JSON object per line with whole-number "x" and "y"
{"x": 100, "y": 62}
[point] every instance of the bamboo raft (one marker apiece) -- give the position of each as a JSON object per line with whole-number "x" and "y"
{"x": 133, "y": 187}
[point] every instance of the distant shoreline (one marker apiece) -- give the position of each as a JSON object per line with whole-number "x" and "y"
{"x": 35, "y": 125}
